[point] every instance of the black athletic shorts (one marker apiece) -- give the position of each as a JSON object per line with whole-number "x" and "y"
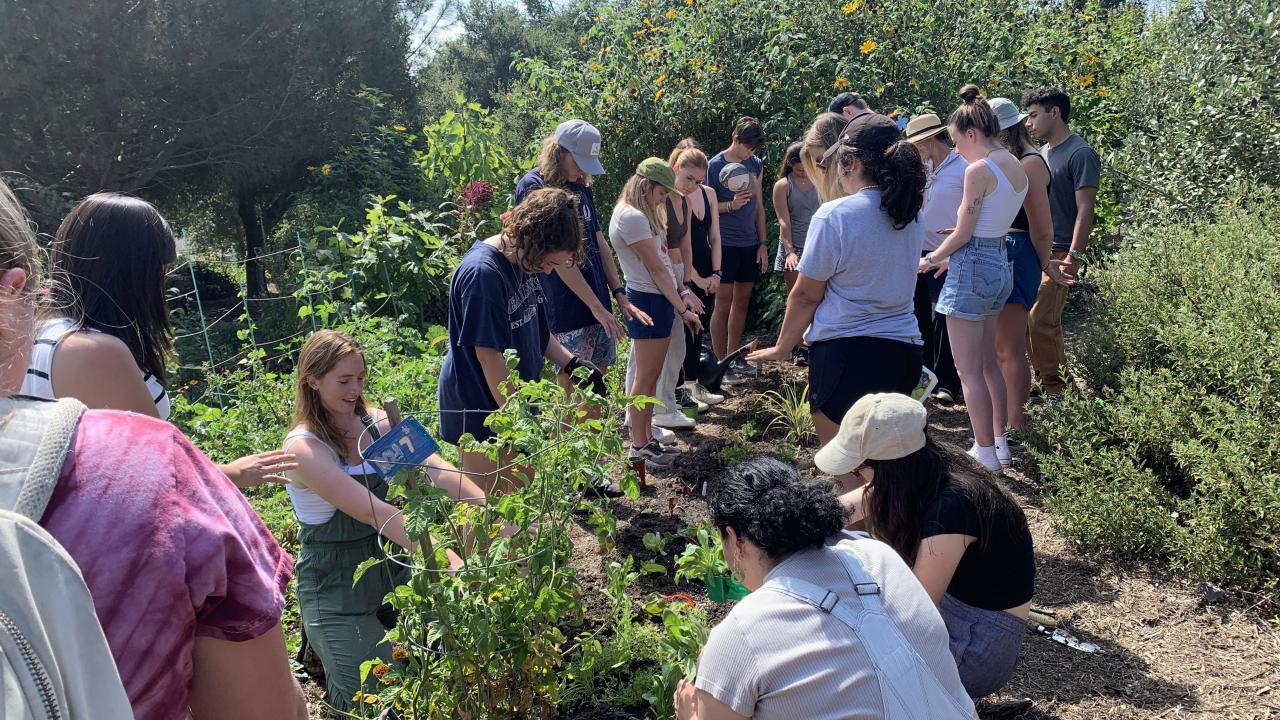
{"x": 739, "y": 264}
{"x": 844, "y": 369}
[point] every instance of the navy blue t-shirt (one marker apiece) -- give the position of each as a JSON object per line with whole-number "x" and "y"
{"x": 492, "y": 304}
{"x": 565, "y": 311}
{"x": 737, "y": 228}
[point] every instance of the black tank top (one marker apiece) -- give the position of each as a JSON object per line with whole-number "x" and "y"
{"x": 699, "y": 229}
{"x": 1020, "y": 222}
{"x": 676, "y": 226}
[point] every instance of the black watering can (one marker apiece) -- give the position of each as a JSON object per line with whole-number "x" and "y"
{"x": 711, "y": 370}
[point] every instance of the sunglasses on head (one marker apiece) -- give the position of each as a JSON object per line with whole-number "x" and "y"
{"x": 844, "y": 138}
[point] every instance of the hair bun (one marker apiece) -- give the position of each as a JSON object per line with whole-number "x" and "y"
{"x": 969, "y": 94}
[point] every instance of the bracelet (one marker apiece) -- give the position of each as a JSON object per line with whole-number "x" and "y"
{"x": 685, "y": 292}
{"x": 717, "y": 272}
{"x": 620, "y": 291}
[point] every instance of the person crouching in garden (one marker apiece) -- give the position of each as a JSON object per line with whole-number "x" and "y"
{"x": 496, "y": 304}
{"x": 579, "y": 298}
{"x": 863, "y": 638}
{"x": 638, "y": 233}
{"x": 341, "y": 505}
{"x": 964, "y": 536}
{"x": 853, "y": 300}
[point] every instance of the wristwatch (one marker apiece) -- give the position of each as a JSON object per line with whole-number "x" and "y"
{"x": 717, "y": 272}
{"x": 620, "y": 291}
{"x": 1075, "y": 255}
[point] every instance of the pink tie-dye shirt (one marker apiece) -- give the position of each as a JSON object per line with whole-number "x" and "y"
{"x": 169, "y": 548}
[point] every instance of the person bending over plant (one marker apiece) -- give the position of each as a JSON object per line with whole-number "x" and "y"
{"x": 964, "y": 536}
{"x": 864, "y": 640}
{"x": 340, "y": 502}
{"x": 496, "y": 304}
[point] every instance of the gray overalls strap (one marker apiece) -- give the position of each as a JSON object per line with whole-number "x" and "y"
{"x": 910, "y": 691}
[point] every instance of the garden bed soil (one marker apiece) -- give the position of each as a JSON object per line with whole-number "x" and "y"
{"x": 1166, "y": 652}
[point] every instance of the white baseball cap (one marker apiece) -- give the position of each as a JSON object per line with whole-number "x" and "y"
{"x": 582, "y": 141}
{"x": 880, "y": 426}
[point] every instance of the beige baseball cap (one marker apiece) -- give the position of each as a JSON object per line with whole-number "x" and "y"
{"x": 880, "y": 426}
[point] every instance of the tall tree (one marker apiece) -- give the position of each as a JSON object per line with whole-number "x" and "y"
{"x": 234, "y": 97}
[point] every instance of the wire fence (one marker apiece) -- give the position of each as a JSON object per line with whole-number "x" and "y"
{"x": 297, "y": 289}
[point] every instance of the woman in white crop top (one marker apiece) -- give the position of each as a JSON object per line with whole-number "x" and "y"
{"x": 108, "y": 346}
{"x": 979, "y": 278}
{"x": 341, "y": 504}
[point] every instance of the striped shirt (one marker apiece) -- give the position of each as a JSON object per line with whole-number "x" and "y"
{"x": 38, "y": 382}
{"x": 777, "y": 658}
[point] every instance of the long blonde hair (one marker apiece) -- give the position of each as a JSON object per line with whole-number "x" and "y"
{"x": 18, "y": 248}
{"x": 322, "y": 351}
{"x": 822, "y": 134}
{"x": 636, "y": 194}
{"x": 550, "y": 164}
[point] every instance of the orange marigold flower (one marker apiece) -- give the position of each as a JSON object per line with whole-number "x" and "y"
{"x": 381, "y": 669}
{"x": 399, "y": 653}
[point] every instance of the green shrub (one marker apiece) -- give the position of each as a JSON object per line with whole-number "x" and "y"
{"x": 1173, "y": 453}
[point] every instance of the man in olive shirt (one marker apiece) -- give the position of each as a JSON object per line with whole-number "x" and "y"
{"x": 1074, "y": 170}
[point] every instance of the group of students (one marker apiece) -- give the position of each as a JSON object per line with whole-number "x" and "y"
{"x": 862, "y": 212}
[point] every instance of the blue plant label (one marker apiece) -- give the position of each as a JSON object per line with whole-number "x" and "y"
{"x": 407, "y": 444}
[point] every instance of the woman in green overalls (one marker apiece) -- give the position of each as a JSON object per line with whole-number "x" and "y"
{"x": 340, "y": 502}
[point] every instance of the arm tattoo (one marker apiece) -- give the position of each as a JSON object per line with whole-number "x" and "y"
{"x": 974, "y": 206}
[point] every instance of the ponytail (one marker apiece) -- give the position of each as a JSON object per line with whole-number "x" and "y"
{"x": 899, "y": 172}
{"x": 974, "y": 113}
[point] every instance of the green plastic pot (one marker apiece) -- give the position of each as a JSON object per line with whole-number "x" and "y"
{"x": 722, "y": 588}
{"x": 690, "y": 412}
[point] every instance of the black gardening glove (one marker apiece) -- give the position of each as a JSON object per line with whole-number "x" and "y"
{"x": 594, "y": 380}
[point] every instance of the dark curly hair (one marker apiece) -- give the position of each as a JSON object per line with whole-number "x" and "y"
{"x": 546, "y": 221}
{"x": 1048, "y": 98}
{"x": 765, "y": 501}
{"x": 899, "y": 172}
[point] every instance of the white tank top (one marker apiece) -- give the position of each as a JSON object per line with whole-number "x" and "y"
{"x": 38, "y": 382}
{"x": 309, "y": 507}
{"x": 1000, "y": 207}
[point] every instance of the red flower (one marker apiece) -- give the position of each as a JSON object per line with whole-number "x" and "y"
{"x": 475, "y": 195}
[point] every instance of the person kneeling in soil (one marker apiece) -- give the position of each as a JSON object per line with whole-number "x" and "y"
{"x": 963, "y": 534}
{"x": 862, "y": 638}
{"x": 340, "y": 502}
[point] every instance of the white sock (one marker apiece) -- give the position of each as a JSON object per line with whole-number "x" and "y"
{"x": 1002, "y": 443}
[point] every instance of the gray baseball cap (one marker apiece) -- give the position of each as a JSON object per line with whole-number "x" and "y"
{"x": 582, "y": 141}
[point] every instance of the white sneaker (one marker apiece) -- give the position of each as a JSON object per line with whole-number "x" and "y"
{"x": 1003, "y": 454}
{"x": 704, "y": 395}
{"x": 986, "y": 456}
{"x": 662, "y": 435}
{"x": 673, "y": 420}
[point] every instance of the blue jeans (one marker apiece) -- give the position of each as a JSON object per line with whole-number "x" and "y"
{"x": 978, "y": 281}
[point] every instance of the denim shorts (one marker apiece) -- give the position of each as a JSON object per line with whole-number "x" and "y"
{"x": 978, "y": 281}
{"x": 780, "y": 260}
{"x": 1026, "y": 269}
{"x": 985, "y": 644}
{"x": 592, "y": 344}
{"x": 658, "y": 308}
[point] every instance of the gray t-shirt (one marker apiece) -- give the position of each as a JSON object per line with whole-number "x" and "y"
{"x": 1072, "y": 165}
{"x": 869, "y": 267}
{"x": 627, "y": 227}
{"x": 777, "y": 658}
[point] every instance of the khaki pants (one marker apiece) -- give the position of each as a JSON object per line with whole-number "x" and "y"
{"x": 1044, "y": 334}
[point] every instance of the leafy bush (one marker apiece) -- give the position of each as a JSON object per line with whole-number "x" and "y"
{"x": 1174, "y": 454}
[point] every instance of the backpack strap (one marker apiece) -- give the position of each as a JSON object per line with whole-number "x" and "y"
{"x": 36, "y": 436}
{"x": 909, "y": 690}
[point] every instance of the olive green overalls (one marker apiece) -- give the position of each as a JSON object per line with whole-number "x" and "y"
{"x": 345, "y": 624}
